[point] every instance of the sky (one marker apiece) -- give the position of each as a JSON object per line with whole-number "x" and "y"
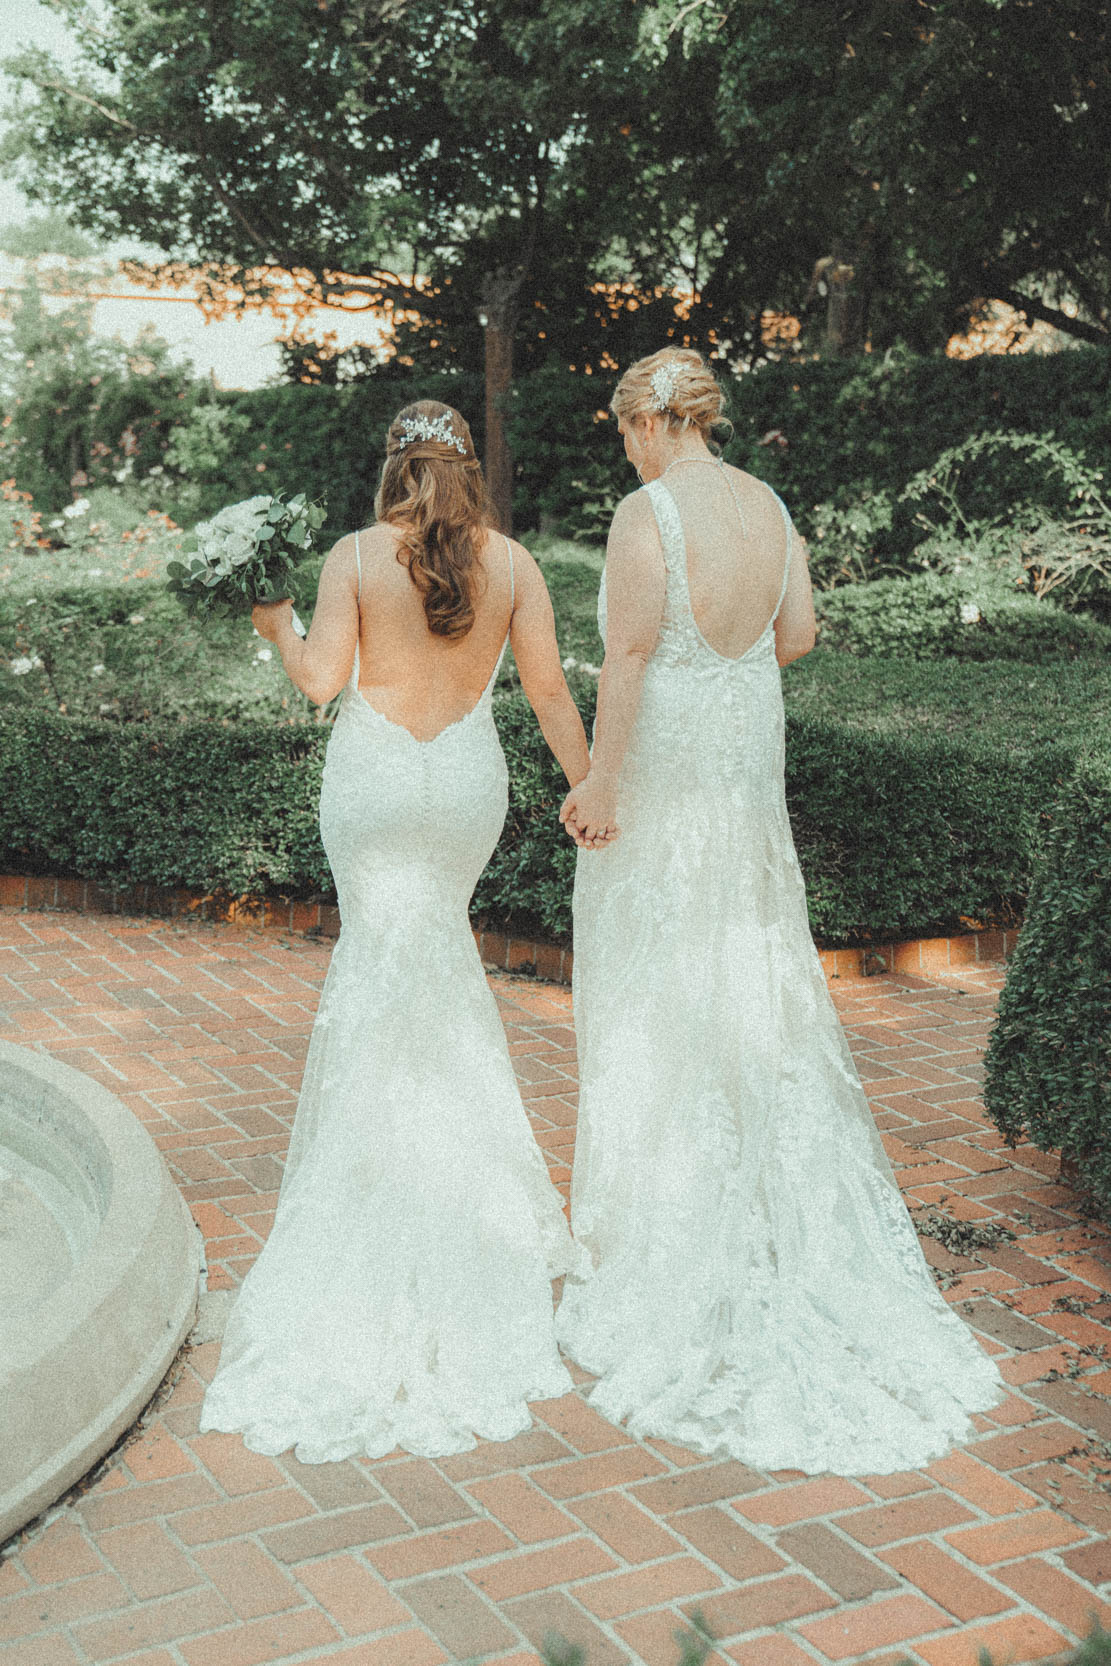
{"x": 236, "y": 353}
{"x": 26, "y": 23}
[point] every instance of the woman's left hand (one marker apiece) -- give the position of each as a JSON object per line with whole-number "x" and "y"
{"x": 589, "y": 813}
{"x": 268, "y": 617}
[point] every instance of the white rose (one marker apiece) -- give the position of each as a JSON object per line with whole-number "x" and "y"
{"x": 569, "y": 662}
{"x": 21, "y": 666}
{"x": 73, "y": 510}
{"x": 97, "y": 670}
{"x": 264, "y": 654}
{"x": 970, "y": 613}
{"x": 136, "y": 618}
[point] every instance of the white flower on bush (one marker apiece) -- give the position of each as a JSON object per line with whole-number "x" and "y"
{"x": 95, "y": 572}
{"x": 970, "y": 613}
{"x": 97, "y": 670}
{"x": 571, "y": 662}
{"x": 136, "y": 618}
{"x": 73, "y": 511}
{"x": 20, "y": 667}
{"x": 56, "y": 523}
{"x": 264, "y": 654}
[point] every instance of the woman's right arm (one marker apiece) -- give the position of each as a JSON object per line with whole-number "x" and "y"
{"x": 533, "y": 640}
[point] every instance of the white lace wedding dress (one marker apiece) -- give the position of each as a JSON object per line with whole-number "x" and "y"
{"x": 403, "y": 1297}
{"x": 757, "y": 1286}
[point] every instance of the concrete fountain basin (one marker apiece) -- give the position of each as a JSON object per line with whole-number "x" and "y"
{"x": 99, "y": 1268}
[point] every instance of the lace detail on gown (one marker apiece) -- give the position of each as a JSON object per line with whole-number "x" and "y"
{"x": 757, "y": 1287}
{"x": 403, "y": 1297}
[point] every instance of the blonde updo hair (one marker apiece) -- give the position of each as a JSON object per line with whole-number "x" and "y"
{"x": 435, "y": 494}
{"x": 697, "y": 402}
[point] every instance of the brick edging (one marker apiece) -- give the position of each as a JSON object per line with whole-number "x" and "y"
{"x": 498, "y": 949}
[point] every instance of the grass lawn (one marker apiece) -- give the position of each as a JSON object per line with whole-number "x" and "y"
{"x": 115, "y": 644}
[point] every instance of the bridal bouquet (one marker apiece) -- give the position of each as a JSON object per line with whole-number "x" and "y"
{"x": 246, "y": 554}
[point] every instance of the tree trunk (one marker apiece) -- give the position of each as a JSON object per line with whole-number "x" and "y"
{"x": 845, "y": 310}
{"x": 500, "y": 297}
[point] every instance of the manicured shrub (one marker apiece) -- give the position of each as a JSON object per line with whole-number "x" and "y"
{"x": 899, "y": 834}
{"x": 939, "y": 615}
{"x": 221, "y": 807}
{"x": 1048, "y": 1066}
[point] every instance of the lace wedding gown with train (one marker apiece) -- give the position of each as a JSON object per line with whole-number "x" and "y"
{"x": 403, "y": 1297}
{"x": 757, "y": 1286}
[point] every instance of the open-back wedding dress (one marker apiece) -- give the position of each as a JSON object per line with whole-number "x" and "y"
{"x": 403, "y": 1297}
{"x": 758, "y": 1288}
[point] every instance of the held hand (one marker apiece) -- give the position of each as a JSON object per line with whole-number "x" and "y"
{"x": 589, "y": 813}
{"x": 268, "y": 617}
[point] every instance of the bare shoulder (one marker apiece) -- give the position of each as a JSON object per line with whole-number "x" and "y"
{"x": 750, "y": 483}
{"x": 634, "y": 513}
{"x": 377, "y": 549}
{"x": 527, "y": 576}
{"x": 634, "y": 532}
{"x": 339, "y": 563}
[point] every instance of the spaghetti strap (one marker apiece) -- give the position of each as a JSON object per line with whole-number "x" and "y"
{"x": 733, "y": 494}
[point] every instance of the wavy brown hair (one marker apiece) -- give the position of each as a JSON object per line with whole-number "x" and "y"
{"x": 435, "y": 495}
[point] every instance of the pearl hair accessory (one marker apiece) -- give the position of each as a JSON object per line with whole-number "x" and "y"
{"x": 664, "y": 382}
{"x": 423, "y": 428}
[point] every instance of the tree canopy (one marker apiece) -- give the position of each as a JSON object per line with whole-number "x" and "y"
{"x": 582, "y": 180}
{"x": 923, "y": 155}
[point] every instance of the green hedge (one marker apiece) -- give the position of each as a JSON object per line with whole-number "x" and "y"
{"x": 920, "y": 618}
{"x": 1048, "y": 1066}
{"x": 899, "y": 834}
{"x": 851, "y": 426}
{"x": 875, "y": 422}
{"x": 330, "y": 441}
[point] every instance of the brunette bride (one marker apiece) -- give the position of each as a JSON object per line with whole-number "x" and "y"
{"x": 403, "y": 1297}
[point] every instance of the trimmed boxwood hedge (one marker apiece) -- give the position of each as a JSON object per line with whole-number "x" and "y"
{"x": 899, "y": 834}
{"x": 1048, "y": 1065}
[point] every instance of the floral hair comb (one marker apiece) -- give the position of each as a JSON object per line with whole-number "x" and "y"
{"x": 425, "y": 428}
{"x": 664, "y": 382}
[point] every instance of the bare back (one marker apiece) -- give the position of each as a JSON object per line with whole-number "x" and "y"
{"x": 420, "y": 681}
{"x": 736, "y": 552}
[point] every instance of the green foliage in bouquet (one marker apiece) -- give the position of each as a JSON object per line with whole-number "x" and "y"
{"x": 247, "y": 553}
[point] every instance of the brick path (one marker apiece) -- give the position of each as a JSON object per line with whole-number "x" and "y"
{"x": 189, "y": 1549}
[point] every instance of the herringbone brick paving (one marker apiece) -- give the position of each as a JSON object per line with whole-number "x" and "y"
{"x": 188, "y": 1550}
